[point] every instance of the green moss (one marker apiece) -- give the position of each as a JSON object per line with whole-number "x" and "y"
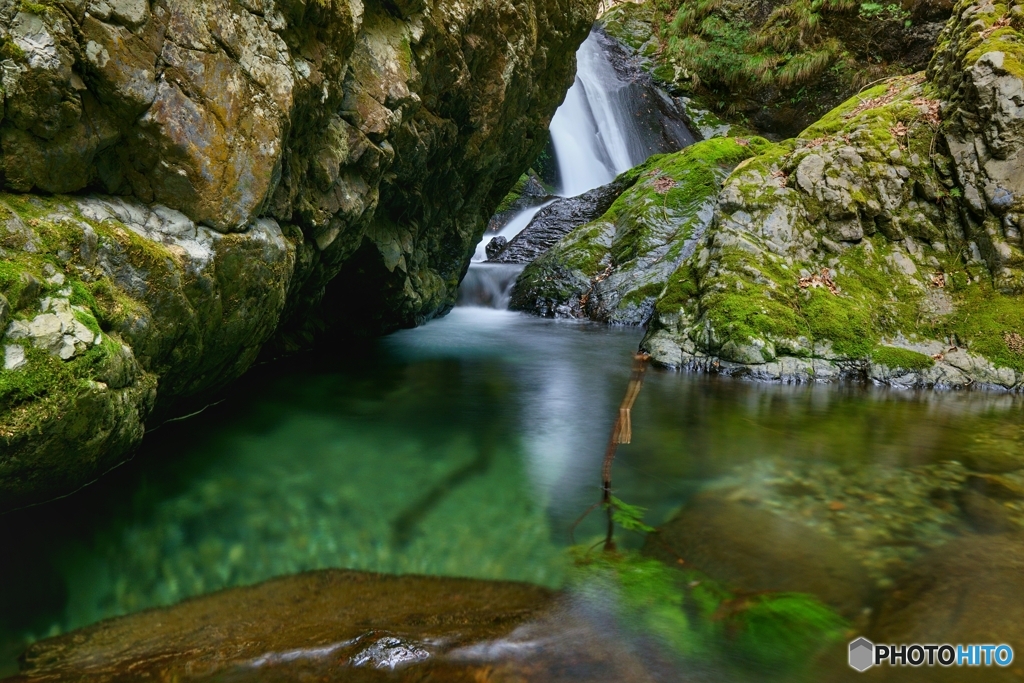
{"x": 984, "y": 322}
{"x": 894, "y": 358}
{"x": 639, "y": 295}
{"x": 693, "y": 615}
{"x": 514, "y": 194}
{"x": 680, "y": 290}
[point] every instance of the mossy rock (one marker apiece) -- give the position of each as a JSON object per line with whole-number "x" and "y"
{"x": 613, "y": 269}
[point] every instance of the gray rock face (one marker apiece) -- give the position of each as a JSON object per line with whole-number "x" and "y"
{"x": 247, "y": 173}
{"x": 555, "y": 221}
{"x": 984, "y": 87}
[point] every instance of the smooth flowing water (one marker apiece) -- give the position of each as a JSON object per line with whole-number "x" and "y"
{"x": 467, "y": 447}
{"x": 594, "y": 136}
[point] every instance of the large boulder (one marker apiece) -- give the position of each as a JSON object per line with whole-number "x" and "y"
{"x": 613, "y": 268}
{"x": 979, "y": 70}
{"x": 230, "y": 175}
{"x": 331, "y": 625}
{"x": 842, "y": 253}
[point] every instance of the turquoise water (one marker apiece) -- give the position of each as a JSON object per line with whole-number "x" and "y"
{"x": 466, "y": 447}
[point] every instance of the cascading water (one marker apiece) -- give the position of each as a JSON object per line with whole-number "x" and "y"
{"x": 602, "y": 129}
{"x": 592, "y": 131}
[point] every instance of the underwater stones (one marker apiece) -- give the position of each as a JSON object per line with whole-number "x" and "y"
{"x": 968, "y": 591}
{"x": 756, "y": 550}
{"x": 331, "y": 624}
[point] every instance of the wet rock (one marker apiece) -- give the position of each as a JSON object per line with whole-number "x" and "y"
{"x": 528, "y": 191}
{"x": 756, "y": 550}
{"x": 351, "y": 626}
{"x": 556, "y": 220}
{"x": 495, "y": 246}
{"x": 614, "y": 268}
{"x": 335, "y": 625}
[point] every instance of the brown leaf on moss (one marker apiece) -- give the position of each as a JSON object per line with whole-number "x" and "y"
{"x": 1014, "y": 342}
{"x": 939, "y": 280}
{"x": 818, "y": 142}
{"x": 782, "y": 176}
{"x": 899, "y": 130}
{"x": 663, "y": 184}
{"x": 931, "y": 113}
{"x": 1003, "y": 22}
{"x": 822, "y": 279}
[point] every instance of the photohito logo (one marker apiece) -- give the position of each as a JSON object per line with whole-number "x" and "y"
{"x": 864, "y": 654}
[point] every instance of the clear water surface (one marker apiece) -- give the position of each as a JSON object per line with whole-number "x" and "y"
{"x": 465, "y": 447}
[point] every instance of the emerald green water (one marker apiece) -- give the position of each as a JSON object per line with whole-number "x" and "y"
{"x": 466, "y": 447}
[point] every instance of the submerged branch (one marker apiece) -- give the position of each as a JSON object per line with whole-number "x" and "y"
{"x": 622, "y": 432}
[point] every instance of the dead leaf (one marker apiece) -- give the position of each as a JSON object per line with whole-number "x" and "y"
{"x": 663, "y": 184}
{"x": 1014, "y": 342}
{"x": 939, "y": 280}
{"x": 822, "y": 279}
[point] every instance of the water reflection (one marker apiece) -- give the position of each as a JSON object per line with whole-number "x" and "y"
{"x": 465, "y": 447}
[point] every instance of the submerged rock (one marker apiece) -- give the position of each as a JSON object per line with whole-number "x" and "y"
{"x": 263, "y": 173}
{"x": 755, "y": 550}
{"x": 970, "y": 591}
{"x": 335, "y": 625}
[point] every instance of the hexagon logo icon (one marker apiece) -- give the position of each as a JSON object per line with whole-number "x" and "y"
{"x": 862, "y": 654}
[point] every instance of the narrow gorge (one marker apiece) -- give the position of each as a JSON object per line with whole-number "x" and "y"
{"x": 316, "y": 316}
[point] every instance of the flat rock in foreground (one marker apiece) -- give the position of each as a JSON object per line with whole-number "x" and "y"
{"x": 336, "y": 625}
{"x": 340, "y": 625}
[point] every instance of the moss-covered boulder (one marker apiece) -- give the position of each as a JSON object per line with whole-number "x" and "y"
{"x": 186, "y": 182}
{"x": 109, "y": 300}
{"x": 612, "y": 269}
{"x": 978, "y": 71}
{"x": 842, "y": 253}
{"x": 774, "y": 67}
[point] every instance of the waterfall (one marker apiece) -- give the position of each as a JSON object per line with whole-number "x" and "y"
{"x": 593, "y": 132}
{"x": 511, "y": 229}
{"x": 609, "y": 123}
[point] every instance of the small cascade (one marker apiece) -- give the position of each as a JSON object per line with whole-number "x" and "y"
{"x": 488, "y": 285}
{"x": 511, "y": 229}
